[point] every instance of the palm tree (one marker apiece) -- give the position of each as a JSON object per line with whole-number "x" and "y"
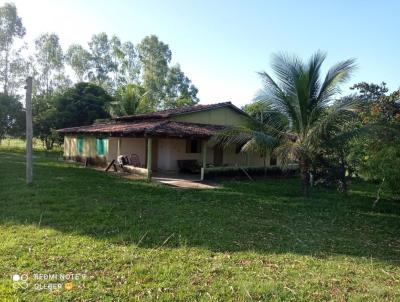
{"x": 306, "y": 101}
{"x": 129, "y": 99}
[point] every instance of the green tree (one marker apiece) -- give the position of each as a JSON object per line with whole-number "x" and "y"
{"x": 332, "y": 165}
{"x": 45, "y": 121}
{"x": 128, "y": 100}
{"x": 369, "y": 92}
{"x": 49, "y": 64}
{"x": 305, "y": 100}
{"x": 102, "y": 62}
{"x": 49, "y": 80}
{"x": 11, "y": 62}
{"x": 80, "y": 61}
{"x": 154, "y": 56}
{"x": 108, "y": 62}
{"x": 12, "y": 117}
{"x": 79, "y": 105}
{"x": 115, "y": 66}
{"x": 117, "y": 57}
{"x": 130, "y": 66}
{"x": 344, "y": 145}
{"x": 258, "y": 110}
{"x": 82, "y": 104}
{"x": 179, "y": 90}
{"x": 382, "y": 164}
{"x": 264, "y": 113}
{"x": 376, "y": 152}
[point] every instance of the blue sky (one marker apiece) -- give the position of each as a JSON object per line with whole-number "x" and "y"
{"x": 222, "y": 44}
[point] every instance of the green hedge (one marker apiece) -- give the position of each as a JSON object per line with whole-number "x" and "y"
{"x": 274, "y": 171}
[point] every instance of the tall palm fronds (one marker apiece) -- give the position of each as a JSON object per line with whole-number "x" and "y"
{"x": 306, "y": 100}
{"x": 128, "y": 100}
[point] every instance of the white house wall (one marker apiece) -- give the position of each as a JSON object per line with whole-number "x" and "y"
{"x": 231, "y": 158}
{"x": 170, "y": 150}
{"x": 128, "y": 147}
{"x": 112, "y": 148}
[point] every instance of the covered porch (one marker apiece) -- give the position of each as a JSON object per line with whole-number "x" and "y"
{"x": 178, "y": 157}
{"x": 166, "y": 157}
{"x": 156, "y": 146}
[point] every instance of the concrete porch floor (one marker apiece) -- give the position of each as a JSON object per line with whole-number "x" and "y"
{"x": 177, "y": 180}
{"x": 180, "y": 180}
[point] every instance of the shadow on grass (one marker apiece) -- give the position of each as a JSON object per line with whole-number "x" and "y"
{"x": 263, "y": 216}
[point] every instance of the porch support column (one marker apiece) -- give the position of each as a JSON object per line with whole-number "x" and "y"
{"x": 204, "y": 154}
{"x": 119, "y": 147}
{"x": 149, "y": 153}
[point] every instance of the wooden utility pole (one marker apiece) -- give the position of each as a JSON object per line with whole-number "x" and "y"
{"x": 29, "y": 130}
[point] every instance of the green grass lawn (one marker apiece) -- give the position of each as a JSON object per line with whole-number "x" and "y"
{"x": 135, "y": 241}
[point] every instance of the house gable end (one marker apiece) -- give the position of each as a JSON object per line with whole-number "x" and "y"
{"x": 225, "y": 116}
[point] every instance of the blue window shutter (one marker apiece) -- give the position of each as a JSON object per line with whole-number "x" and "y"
{"x": 79, "y": 145}
{"x": 101, "y": 146}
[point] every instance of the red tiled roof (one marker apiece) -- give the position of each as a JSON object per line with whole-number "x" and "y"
{"x": 112, "y": 127}
{"x": 156, "y": 124}
{"x": 152, "y": 127}
{"x": 181, "y": 129}
{"x": 164, "y": 114}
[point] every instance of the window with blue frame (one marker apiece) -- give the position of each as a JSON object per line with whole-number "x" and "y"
{"x": 101, "y": 146}
{"x": 79, "y": 145}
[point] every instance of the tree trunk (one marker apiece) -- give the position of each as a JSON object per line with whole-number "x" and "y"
{"x": 342, "y": 179}
{"x": 305, "y": 177}
{"x": 342, "y": 174}
{"x": 49, "y": 143}
{"x": 265, "y": 165}
{"x": 378, "y": 194}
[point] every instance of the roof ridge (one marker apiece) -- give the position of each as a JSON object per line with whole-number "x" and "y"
{"x": 175, "y": 111}
{"x": 197, "y": 124}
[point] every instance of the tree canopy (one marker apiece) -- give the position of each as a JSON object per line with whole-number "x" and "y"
{"x": 12, "y": 65}
{"x": 304, "y": 100}
{"x": 82, "y": 104}
{"x": 12, "y": 118}
{"x": 137, "y": 77}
